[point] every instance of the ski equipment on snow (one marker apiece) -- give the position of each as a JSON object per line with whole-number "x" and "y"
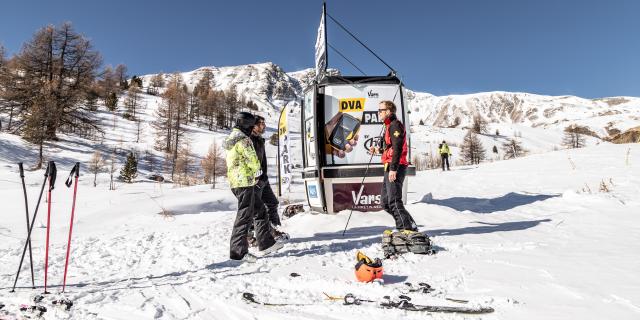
{"x": 76, "y": 170}
{"x": 399, "y": 242}
{"x": 33, "y": 220}
{"x": 250, "y": 297}
{"x": 32, "y": 310}
{"x": 52, "y": 181}
{"x": 368, "y": 270}
{"x": 404, "y": 303}
{"x": 26, "y": 208}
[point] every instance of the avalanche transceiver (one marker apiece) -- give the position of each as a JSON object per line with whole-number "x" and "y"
{"x": 340, "y": 129}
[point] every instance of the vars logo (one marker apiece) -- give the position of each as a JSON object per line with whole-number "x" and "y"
{"x": 372, "y": 94}
{"x": 351, "y": 104}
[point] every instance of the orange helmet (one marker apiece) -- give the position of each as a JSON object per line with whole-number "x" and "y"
{"x": 368, "y": 270}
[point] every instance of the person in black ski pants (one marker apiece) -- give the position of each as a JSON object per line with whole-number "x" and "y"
{"x": 243, "y": 172}
{"x": 267, "y": 195}
{"x": 394, "y": 157}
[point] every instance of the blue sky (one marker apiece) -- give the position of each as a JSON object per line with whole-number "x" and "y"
{"x": 585, "y": 48}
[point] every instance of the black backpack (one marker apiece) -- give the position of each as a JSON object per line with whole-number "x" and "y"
{"x": 399, "y": 242}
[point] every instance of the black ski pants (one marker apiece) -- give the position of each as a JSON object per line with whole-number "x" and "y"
{"x": 271, "y": 201}
{"x": 250, "y": 207}
{"x": 445, "y": 159}
{"x": 392, "y": 200}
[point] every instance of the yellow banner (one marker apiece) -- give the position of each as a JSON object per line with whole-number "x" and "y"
{"x": 282, "y": 124}
{"x": 351, "y": 104}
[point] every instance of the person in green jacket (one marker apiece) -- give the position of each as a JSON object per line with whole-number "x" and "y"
{"x": 243, "y": 172}
{"x": 444, "y": 151}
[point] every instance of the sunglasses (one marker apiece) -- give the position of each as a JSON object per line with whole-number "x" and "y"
{"x": 382, "y": 110}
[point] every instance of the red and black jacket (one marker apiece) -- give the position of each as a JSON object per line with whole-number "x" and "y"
{"x": 395, "y": 138}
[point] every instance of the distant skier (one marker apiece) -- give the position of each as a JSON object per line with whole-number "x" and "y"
{"x": 394, "y": 158}
{"x": 267, "y": 195}
{"x": 243, "y": 172}
{"x": 444, "y": 151}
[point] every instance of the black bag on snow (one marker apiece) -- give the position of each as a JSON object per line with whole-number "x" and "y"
{"x": 399, "y": 242}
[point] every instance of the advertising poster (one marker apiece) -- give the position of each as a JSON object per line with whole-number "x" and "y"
{"x": 352, "y": 124}
{"x": 360, "y": 197}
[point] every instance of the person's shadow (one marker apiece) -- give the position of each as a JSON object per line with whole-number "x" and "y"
{"x": 483, "y": 205}
{"x": 488, "y": 228}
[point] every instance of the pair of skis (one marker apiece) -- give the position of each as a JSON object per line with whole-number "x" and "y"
{"x": 49, "y": 175}
{"x": 402, "y": 303}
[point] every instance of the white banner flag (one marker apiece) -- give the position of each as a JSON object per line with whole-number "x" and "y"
{"x": 284, "y": 153}
{"x": 321, "y": 48}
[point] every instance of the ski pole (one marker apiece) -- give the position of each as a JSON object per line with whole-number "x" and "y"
{"x": 52, "y": 182}
{"x": 76, "y": 170}
{"x": 26, "y": 208}
{"x": 33, "y": 220}
{"x": 361, "y": 184}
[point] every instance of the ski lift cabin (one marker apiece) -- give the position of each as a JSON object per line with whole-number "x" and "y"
{"x": 339, "y": 124}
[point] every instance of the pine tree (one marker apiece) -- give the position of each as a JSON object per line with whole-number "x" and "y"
{"x": 513, "y": 149}
{"x": 471, "y": 149}
{"x": 136, "y": 80}
{"x": 130, "y": 169}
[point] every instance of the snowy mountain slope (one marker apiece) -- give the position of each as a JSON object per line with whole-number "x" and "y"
{"x": 271, "y": 88}
{"x": 537, "y": 111}
{"x": 523, "y": 236}
{"x": 265, "y": 83}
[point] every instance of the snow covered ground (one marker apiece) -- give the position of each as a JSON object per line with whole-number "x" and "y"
{"x": 533, "y": 238}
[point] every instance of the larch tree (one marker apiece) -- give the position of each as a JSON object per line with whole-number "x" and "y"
{"x": 49, "y": 80}
{"x": 213, "y": 164}
{"x": 513, "y": 149}
{"x": 573, "y": 137}
{"x": 471, "y": 149}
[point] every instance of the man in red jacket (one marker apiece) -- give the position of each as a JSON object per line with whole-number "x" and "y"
{"x": 394, "y": 158}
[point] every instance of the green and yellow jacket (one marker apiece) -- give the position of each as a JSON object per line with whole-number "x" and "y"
{"x": 243, "y": 165}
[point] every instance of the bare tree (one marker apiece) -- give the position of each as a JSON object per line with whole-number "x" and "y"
{"x": 471, "y": 149}
{"x": 131, "y": 101}
{"x": 121, "y": 76}
{"x": 156, "y": 82}
{"x": 48, "y": 81}
{"x": 148, "y": 157}
{"x": 96, "y": 165}
{"x": 112, "y": 169}
{"x": 169, "y": 119}
{"x": 513, "y": 149}
{"x": 480, "y": 125}
{"x": 183, "y": 164}
{"x": 573, "y": 137}
{"x": 213, "y": 164}
{"x": 108, "y": 88}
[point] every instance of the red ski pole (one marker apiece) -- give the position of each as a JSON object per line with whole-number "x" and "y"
{"x": 76, "y": 170}
{"x": 52, "y": 181}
